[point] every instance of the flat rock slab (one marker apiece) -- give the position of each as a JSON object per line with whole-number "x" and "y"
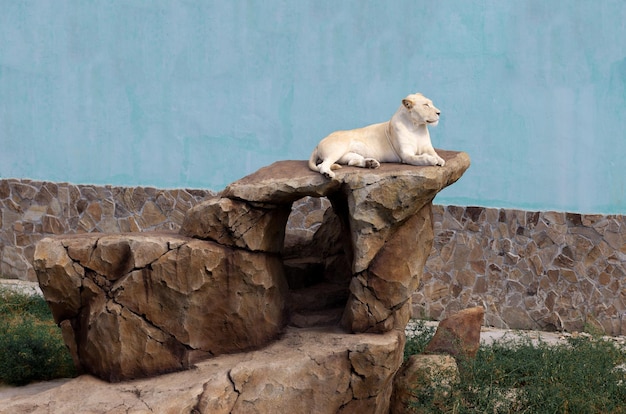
{"x": 288, "y": 181}
{"x": 306, "y": 371}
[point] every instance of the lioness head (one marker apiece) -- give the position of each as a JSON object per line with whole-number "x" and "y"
{"x": 421, "y": 109}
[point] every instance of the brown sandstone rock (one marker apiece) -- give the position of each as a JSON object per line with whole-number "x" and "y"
{"x": 458, "y": 335}
{"x": 134, "y": 305}
{"x": 380, "y": 295}
{"x": 238, "y": 224}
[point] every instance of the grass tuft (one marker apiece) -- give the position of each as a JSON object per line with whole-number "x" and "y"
{"x": 583, "y": 375}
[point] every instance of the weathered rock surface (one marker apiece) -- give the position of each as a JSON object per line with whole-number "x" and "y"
{"x": 135, "y": 305}
{"x": 306, "y": 371}
{"x": 458, "y": 335}
{"x": 238, "y": 224}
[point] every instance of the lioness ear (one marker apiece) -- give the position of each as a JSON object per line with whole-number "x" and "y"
{"x": 408, "y": 104}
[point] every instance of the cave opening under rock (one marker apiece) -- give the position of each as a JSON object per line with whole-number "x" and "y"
{"x": 316, "y": 262}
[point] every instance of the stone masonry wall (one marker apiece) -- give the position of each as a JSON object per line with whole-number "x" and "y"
{"x": 31, "y": 210}
{"x": 529, "y": 270}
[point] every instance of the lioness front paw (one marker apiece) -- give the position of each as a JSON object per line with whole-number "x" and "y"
{"x": 435, "y": 160}
{"x": 371, "y": 163}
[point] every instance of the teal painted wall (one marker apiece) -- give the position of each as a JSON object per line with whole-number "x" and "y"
{"x": 200, "y": 93}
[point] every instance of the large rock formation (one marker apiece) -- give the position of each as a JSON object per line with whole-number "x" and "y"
{"x": 134, "y": 305}
{"x": 386, "y": 221}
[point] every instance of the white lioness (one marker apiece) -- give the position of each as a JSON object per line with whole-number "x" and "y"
{"x": 403, "y": 139}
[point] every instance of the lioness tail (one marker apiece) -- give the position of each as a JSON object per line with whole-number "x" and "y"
{"x": 313, "y": 161}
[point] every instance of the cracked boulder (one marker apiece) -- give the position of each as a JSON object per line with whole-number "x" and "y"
{"x": 136, "y": 305}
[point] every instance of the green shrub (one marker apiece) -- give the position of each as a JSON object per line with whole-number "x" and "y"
{"x": 31, "y": 345}
{"x": 584, "y": 375}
